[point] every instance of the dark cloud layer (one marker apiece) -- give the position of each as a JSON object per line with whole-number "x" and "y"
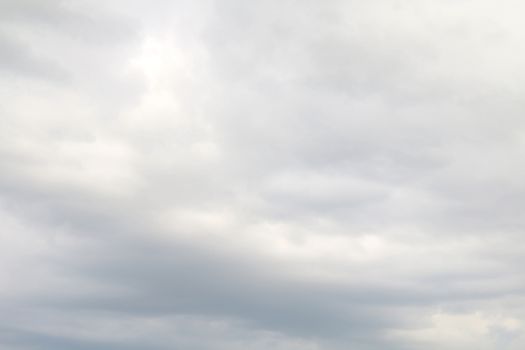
{"x": 287, "y": 175}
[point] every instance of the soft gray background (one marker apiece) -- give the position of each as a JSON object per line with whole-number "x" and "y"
{"x": 249, "y": 175}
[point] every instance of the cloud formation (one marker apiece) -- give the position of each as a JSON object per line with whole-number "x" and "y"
{"x": 293, "y": 175}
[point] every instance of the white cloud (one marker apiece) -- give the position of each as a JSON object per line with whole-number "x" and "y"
{"x": 288, "y": 175}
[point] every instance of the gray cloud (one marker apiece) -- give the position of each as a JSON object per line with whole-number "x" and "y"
{"x": 292, "y": 175}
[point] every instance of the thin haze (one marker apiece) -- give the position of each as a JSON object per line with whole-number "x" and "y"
{"x": 253, "y": 175}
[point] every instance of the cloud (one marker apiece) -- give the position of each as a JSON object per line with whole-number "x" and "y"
{"x": 286, "y": 175}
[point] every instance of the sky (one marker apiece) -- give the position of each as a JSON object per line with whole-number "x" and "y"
{"x": 249, "y": 175}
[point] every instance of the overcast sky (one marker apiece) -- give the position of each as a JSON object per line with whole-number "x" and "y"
{"x": 253, "y": 175}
